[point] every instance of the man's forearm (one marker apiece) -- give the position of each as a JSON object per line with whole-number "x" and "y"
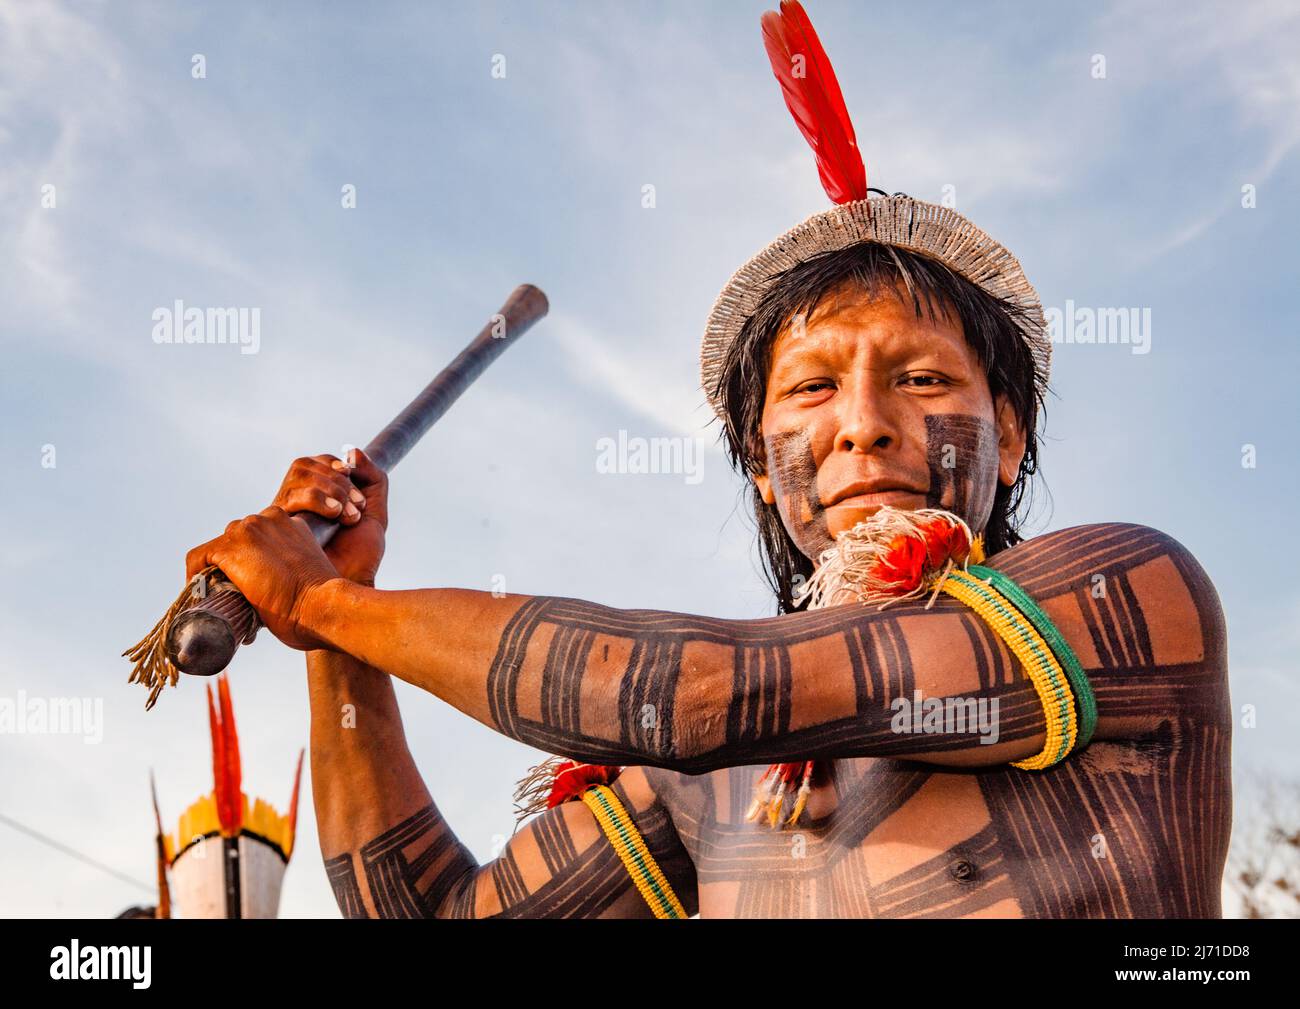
{"x": 441, "y": 640}
{"x": 387, "y": 850}
{"x": 693, "y": 693}
{"x": 689, "y": 693}
{"x": 486, "y": 655}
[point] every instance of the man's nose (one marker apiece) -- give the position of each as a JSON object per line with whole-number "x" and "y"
{"x": 866, "y": 420}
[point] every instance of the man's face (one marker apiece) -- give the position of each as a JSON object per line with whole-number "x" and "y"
{"x": 867, "y": 405}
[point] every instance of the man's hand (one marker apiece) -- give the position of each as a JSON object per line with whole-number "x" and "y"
{"x": 354, "y": 494}
{"x": 273, "y": 559}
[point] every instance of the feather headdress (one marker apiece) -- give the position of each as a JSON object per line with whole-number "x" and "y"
{"x": 813, "y": 96}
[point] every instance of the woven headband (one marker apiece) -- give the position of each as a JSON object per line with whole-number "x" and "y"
{"x": 813, "y": 97}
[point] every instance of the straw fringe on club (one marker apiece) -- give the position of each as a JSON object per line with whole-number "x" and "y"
{"x": 151, "y": 666}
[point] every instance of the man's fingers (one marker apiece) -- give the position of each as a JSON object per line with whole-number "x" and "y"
{"x": 209, "y": 553}
{"x": 198, "y": 559}
{"x": 308, "y": 467}
{"x": 358, "y": 470}
{"x": 318, "y": 473}
{"x": 274, "y": 514}
{"x": 325, "y": 503}
{"x": 315, "y": 500}
{"x": 364, "y": 471}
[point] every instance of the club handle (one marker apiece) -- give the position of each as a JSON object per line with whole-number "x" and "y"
{"x": 203, "y": 639}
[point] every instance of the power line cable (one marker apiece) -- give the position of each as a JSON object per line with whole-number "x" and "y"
{"x": 73, "y": 853}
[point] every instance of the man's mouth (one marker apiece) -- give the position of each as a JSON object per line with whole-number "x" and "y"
{"x": 874, "y": 494}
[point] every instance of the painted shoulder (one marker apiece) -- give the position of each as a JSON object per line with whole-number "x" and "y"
{"x": 1138, "y": 604}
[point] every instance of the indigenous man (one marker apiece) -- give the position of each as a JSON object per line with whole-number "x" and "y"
{"x": 884, "y": 357}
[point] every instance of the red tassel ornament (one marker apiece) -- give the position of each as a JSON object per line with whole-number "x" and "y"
{"x": 559, "y": 780}
{"x": 893, "y": 555}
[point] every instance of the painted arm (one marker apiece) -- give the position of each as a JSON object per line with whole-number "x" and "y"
{"x": 390, "y": 854}
{"x": 388, "y": 851}
{"x": 695, "y": 693}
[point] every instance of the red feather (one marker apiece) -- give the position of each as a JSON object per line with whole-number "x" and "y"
{"x": 815, "y": 101}
{"x": 218, "y": 749}
{"x": 572, "y": 779}
{"x": 903, "y": 565}
{"x": 943, "y": 542}
{"x": 153, "y": 791}
{"x": 293, "y": 802}
{"x": 225, "y": 761}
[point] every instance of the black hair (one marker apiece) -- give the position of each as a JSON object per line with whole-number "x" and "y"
{"x": 989, "y": 324}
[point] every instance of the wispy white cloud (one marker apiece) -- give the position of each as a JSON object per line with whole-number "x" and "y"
{"x": 50, "y": 54}
{"x": 1244, "y": 58}
{"x": 638, "y": 381}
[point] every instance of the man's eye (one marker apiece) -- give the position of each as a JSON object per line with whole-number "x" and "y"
{"x": 814, "y": 387}
{"x": 924, "y": 381}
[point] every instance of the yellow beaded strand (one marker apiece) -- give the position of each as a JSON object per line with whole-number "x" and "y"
{"x": 631, "y": 848}
{"x": 1037, "y": 659}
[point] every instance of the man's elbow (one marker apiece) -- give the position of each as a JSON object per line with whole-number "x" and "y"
{"x": 1184, "y": 624}
{"x": 1193, "y": 616}
{"x": 698, "y": 736}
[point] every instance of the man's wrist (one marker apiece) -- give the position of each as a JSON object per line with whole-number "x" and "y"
{"x": 323, "y": 606}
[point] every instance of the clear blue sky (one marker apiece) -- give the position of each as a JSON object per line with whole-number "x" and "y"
{"x": 1117, "y": 192}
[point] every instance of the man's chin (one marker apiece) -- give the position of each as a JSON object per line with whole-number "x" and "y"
{"x": 845, "y": 515}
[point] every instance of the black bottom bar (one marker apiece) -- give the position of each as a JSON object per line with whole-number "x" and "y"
{"x": 942, "y": 959}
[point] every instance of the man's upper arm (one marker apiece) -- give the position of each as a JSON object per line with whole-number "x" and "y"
{"x": 855, "y": 680}
{"x": 1142, "y": 616}
{"x": 561, "y": 865}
